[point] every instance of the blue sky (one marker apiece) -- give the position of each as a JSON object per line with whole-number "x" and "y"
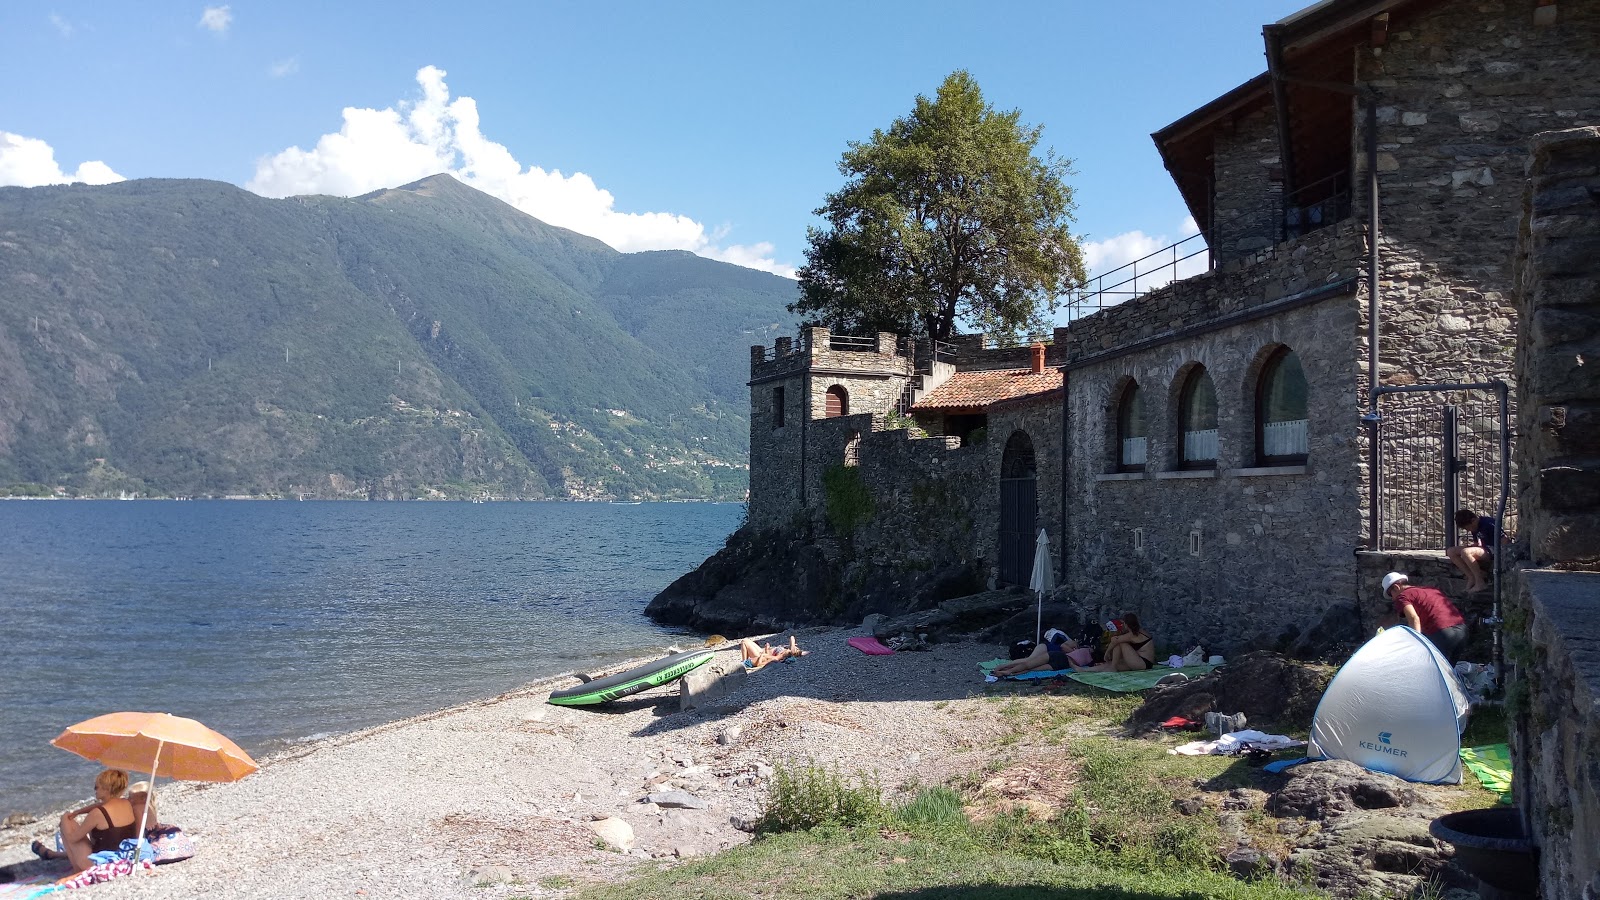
{"x": 715, "y": 127}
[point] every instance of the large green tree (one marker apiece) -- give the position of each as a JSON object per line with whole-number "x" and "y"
{"x": 950, "y": 216}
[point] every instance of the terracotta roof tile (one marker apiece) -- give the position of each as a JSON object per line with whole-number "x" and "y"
{"x": 970, "y": 390}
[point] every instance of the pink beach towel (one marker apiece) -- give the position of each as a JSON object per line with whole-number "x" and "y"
{"x": 869, "y": 645}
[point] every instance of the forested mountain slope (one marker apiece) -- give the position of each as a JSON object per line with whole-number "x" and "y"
{"x": 188, "y": 338}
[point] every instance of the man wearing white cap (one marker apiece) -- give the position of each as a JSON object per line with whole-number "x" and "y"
{"x": 1429, "y": 613}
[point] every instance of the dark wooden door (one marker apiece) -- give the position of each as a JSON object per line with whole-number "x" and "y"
{"x": 1019, "y": 505}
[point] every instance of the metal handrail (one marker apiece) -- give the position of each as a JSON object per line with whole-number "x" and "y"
{"x": 853, "y": 343}
{"x": 1094, "y": 295}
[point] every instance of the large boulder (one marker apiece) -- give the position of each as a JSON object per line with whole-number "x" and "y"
{"x": 1327, "y": 789}
{"x": 1375, "y": 854}
{"x": 1269, "y": 688}
{"x": 769, "y": 579}
{"x": 960, "y": 617}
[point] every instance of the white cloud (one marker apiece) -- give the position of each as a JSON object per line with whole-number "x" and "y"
{"x": 62, "y": 25}
{"x": 216, "y": 18}
{"x": 30, "y": 162}
{"x": 284, "y": 67}
{"x": 378, "y": 148}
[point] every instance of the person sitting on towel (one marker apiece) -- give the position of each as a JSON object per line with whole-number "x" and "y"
{"x": 1429, "y": 613}
{"x": 101, "y": 826}
{"x": 1056, "y": 652}
{"x": 1128, "y": 650}
{"x": 758, "y": 655}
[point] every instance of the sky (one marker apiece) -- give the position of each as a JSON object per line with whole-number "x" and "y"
{"x": 714, "y": 127}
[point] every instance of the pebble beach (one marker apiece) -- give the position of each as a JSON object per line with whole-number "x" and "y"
{"x": 511, "y": 796}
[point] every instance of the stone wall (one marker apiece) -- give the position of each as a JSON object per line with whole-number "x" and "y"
{"x": 1249, "y": 187}
{"x": 1308, "y": 264}
{"x": 1236, "y": 557}
{"x": 1461, "y": 87}
{"x": 1554, "y": 621}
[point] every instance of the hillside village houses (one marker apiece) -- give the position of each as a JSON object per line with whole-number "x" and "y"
{"x": 1226, "y": 455}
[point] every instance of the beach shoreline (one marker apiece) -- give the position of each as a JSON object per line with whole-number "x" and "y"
{"x": 490, "y": 797}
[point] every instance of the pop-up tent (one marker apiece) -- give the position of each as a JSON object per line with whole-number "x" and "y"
{"x": 1395, "y": 707}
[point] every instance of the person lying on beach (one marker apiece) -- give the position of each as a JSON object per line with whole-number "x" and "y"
{"x": 758, "y": 655}
{"x": 1056, "y": 652}
{"x": 101, "y": 826}
{"x": 1129, "y": 650}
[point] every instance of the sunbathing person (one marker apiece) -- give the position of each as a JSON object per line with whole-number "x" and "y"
{"x": 1129, "y": 650}
{"x": 758, "y": 655}
{"x": 101, "y": 826}
{"x": 1056, "y": 652}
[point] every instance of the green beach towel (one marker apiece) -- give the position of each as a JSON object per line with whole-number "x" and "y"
{"x": 1121, "y": 682}
{"x": 1492, "y": 766}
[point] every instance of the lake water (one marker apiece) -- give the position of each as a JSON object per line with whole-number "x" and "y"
{"x": 273, "y": 622}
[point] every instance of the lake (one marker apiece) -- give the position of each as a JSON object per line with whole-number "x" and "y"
{"x": 275, "y": 621}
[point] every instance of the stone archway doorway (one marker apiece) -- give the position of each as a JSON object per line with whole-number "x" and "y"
{"x": 1019, "y": 509}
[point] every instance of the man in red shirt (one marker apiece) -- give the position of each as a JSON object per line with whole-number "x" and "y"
{"x": 1429, "y": 613}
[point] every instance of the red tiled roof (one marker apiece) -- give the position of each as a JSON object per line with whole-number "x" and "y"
{"x": 974, "y": 390}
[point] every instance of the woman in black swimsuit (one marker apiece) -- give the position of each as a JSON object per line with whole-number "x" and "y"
{"x": 103, "y": 825}
{"x": 1129, "y": 650}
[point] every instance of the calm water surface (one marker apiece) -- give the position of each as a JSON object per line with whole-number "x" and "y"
{"x": 277, "y": 621}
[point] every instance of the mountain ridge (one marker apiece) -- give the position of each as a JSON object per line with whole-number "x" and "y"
{"x": 182, "y": 337}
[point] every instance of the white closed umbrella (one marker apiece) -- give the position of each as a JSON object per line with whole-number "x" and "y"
{"x": 1043, "y": 580}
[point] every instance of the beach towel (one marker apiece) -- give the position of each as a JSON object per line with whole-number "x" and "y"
{"x": 23, "y": 888}
{"x": 1131, "y": 682}
{"x": 870, "y": 646}
{"x": 1121, "y": 682}
{"x": 1492, "y": 765}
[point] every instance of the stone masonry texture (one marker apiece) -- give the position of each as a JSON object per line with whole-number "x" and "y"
{"x": 1554, "y": 620}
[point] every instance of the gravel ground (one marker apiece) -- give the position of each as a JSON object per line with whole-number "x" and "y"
{"x": 492, "y": 799}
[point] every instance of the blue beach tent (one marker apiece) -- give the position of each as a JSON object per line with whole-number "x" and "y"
{"x": 1395, "y": 707}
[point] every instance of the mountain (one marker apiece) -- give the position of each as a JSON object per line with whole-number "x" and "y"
{"x": 189, "y": 338}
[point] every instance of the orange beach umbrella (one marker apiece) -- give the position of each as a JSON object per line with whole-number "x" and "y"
{"x": 158, "y": 743}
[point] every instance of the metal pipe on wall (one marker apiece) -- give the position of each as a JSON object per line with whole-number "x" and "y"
{"x": 1374, "y": 488}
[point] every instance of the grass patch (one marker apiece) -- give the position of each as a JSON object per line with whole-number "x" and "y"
{"x": 1487, "y": 726}
{"x": 832, "y": 863}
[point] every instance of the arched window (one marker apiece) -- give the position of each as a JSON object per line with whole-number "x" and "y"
{"x": 1017, "y": 461}
{"x": 1197, "y": 421}
{"x": 852, "y": 449}
{"x": 836, "y": 404}
{"x": 1282, "y": 423}
{"x": 1131, "y": 429}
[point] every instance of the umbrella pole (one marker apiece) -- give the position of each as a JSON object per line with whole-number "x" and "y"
{"x": 1038, "y": 621}
{"x": 138, "y": 849}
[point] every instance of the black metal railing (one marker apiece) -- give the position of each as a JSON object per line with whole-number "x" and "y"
{"x": 851, "y": 343}
{"x": 1308, "y": 208}
{"x": 1436, "y": 456}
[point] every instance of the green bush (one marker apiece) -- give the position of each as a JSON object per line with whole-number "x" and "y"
{"x": 849, "y": 503}
{"x": 803, "y": 797}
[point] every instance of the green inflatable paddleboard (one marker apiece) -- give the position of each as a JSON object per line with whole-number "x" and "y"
{"x": 639, "y": 678}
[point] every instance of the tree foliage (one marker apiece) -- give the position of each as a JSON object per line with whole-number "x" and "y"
{"x": 949, "y": 216}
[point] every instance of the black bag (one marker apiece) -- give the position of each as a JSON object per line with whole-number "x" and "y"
{"x": 1022, "y": 649}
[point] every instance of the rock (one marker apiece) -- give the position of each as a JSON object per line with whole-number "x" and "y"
{"x": 1244, "y": 798}
{"x": 677, "y": 800}
{"x": 1328, "y": 789}
{"x": 742, "y": 823}
{"x": 16, "y": 820}
{"x": 870, "y": 623}
{"x": 730, "y": 735}
{"x": 706, "y": 685}
{"x": 1364, "y": 854}
{"x": 1190, "y": 806}
{"x": 1267, "y": 687}
{"x": 685, "y": 851}
{"x": 1246, "y": 862}
{"x": 960, "y": 616}
{"x": 492, "y": 875}
{"x": 617, "y": 834}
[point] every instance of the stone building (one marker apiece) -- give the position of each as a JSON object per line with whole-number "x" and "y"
{"x": 1210, "y": 466}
